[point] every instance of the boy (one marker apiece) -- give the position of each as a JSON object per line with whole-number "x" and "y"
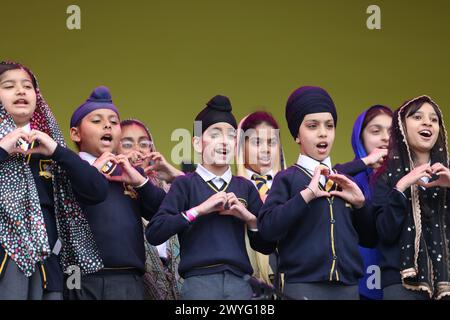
{"x": 116, "y": 222}
{"x": 310, "y": 217}
{"x": 210, "y": 209}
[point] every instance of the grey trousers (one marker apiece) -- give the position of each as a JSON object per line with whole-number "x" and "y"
{"x": 217, "y": 286}
{"x": 14, "y": 285}
{"x": 321, "y": 291}
{"x": 109, "y": 287}
{"x": 398, "y": 292}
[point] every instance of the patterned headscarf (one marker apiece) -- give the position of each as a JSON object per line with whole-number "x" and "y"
{"x": 424, "y": 257}
{"x": 22, "y": 229}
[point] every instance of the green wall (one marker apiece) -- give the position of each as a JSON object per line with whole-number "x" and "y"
{"x": 163, "y": 60}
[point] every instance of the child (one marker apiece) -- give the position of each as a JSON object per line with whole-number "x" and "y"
{"x": 161, "y": 280}
{"x": 411, "y": 205}
{"x": 42, "y": 228}
{"x": 210, "y": 210}
{"x": 370, "y": 135}
{"x": 116, "y": 222}
{"x": 259, "y": 158}
{"x": 310, "y": 217}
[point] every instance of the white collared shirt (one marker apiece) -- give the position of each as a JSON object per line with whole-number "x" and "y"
{"x": 250, "y": 173}
{"x": 88, "y": 157}
{"x": 310, "y": 164}
{"x": 207, "y": 175}
{"x": 27, "y": 128}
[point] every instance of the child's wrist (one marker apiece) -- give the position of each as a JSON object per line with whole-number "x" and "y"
{"x": 252, "y": 225}
{"x": 174, "y": 173}
{"x": 308, "y": 194}
{"x": 141, "y": 183}
{"x": 192, "y": 214}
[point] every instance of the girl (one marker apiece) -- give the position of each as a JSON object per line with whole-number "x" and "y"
{"x": 259, "y": 157}
{"x": 41, "y": 223}
{"x": 411, "y": 205}
{"x": 370, "y": 135}
{"x": 162, "y": 281}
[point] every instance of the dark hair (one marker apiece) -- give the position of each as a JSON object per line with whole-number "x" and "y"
{"x": 375, "y": 111}
{"x": 398, "y": 160}
{"x": 4, "y": 67}
{"x": 257, "y": 118}
{"x": 129, "y": 122}
{"x": 417, "y": 104}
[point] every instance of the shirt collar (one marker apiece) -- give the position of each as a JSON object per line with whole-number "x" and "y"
{"x": 27, "y": 128}
{"x": 310, "y": 164}
{"x": 88, "y": 157}
{"x": 250, "y": 173}
{"x": 207, "y": 175}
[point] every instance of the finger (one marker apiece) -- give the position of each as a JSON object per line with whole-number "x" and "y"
{"x": 236, "y": 207}
{"x": 339, "y": 194}
{"x": 438, "y": 167}
{"x": 442, "y": 172}
{"x": 106, "y": 155}
{"x": 341, "y": 179}
{"x": 33, "y": 137}
{"x": 121, "y": 156}
{"x": 320, "y": 194}
{"x": 154, "y": 155}
{"x": 428, "y": 185}
{"x": 22, "y": 135}
{"x": 19, "y": 151}
{"x": 424, "y": 184}
{"x": 425, "y": 175}
{"x": 105, "y": 160}
{"x": 231, "y": 195}
{"x": 34, "y": 150}
{"x": 233, "y": 201}
{"x": 316, "y": 175}
{"x": 384, "y": 152}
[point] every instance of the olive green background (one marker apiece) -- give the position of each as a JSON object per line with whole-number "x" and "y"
{"x": 163, "y": 60}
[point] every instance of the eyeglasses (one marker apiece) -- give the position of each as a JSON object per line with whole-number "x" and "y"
{"x": 143, "y": 145}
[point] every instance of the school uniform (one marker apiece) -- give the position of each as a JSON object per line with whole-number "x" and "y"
{"x": 351, "y": 168}
{"x": 213, "y": 256}
{"x": 89, "y": 187}
{"x": 391, "y": 208}
{"x": 268, "y": 266}
{"x": 318, "y": 241}
{"x": 116, "y": 225}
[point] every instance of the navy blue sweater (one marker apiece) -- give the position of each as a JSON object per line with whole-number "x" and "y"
{"x": 317, "y": 241}
{"x": 212, "y": 243}
{"x": 351, "y": 168}
{"x": 391, "y": 208}
{"x": 89, "y": 187}
{"x": 117, "y": 225}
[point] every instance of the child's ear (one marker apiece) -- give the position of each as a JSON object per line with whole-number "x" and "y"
{"x": 75, "y": 134}
{"x": 197, "y": 144}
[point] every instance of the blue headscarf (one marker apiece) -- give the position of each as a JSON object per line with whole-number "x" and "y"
{"x": 362, "y": 178}
{"x": 370, "y": 256}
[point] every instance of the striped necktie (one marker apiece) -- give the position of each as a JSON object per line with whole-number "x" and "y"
{"x": 222, "y": 187}
{"x": 261, "y": 183}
